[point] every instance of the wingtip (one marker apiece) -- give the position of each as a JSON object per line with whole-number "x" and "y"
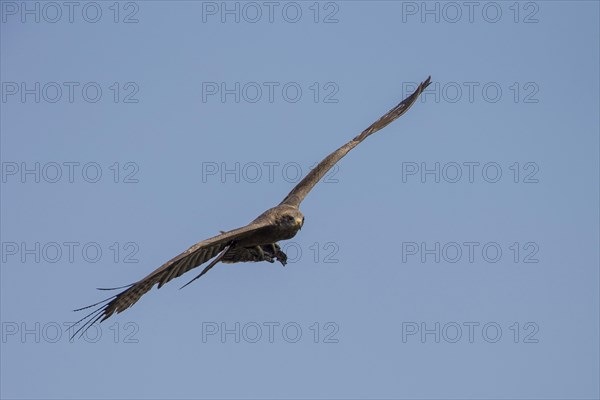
{"x": 426, "y": 82}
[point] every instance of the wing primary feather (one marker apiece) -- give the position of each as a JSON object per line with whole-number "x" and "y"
{"x": 97, "y": 313}
{"x": 116, "y": 288}
{"x": 95, "y": 304}
{"x": 90, "y": 323}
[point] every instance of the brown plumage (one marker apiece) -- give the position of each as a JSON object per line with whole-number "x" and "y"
{"x": 254, "y": 242}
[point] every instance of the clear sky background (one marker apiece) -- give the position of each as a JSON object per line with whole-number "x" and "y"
{"x": 480, "y": 280}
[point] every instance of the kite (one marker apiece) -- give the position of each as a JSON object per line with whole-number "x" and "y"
{"x": 254, "y": 242}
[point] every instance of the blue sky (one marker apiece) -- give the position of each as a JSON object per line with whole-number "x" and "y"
{"x": 452, "y": 255}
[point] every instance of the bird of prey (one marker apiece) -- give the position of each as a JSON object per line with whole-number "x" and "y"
{"x": 256, "y": 241}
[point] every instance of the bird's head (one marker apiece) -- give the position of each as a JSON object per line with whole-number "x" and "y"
{"x": 292, "y": 218}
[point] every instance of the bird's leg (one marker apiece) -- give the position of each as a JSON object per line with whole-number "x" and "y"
{"x": 268, "y": 252}
{"x": 262, "y": 255}
{"x": 278, "y": 254}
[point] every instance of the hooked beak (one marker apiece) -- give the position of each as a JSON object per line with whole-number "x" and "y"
{"x": 299, "y": 222}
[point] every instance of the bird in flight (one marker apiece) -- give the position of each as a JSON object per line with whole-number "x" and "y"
{"x": 256, "y": 241}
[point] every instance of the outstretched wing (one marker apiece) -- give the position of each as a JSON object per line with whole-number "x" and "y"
{"x": 295, "y": 197}
{"x": 177, "y": 266}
